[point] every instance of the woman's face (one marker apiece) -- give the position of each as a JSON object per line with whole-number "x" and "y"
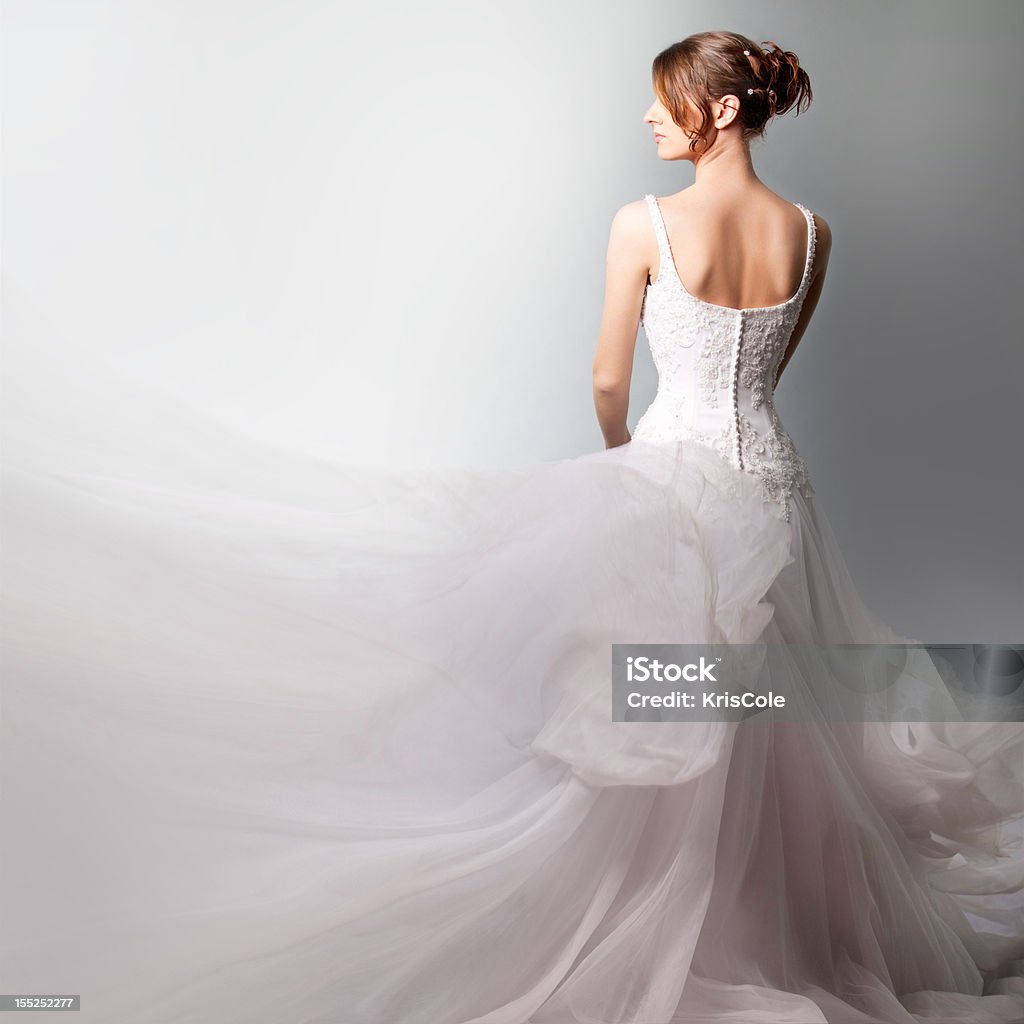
{"x": 670, "y": 138}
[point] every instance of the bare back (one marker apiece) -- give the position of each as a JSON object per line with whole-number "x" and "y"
{"x": 741, "y": 255}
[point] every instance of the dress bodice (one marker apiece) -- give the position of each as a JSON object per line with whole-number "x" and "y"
{"x": 717, "y": 367}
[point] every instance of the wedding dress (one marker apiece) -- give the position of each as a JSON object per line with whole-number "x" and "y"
{"x": 290, "y": 742}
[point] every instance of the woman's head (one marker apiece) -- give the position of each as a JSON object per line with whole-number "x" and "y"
{"x": 717, "y": 81}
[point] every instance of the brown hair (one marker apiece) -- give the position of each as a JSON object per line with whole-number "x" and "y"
{"x": 709, "y": 65}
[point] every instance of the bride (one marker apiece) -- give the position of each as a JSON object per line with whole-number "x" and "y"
{"x": 287, "y": 741}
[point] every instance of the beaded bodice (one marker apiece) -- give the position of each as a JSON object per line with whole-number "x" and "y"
{"x": 717, "y": 368}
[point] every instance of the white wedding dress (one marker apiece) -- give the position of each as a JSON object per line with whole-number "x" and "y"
{"x": 290, "y": 742}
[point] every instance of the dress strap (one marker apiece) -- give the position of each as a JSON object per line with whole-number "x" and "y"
{"x": 812, "y": 234}
{"x": 660, "y": 231}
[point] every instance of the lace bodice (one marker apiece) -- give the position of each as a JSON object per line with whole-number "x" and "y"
{"x": 717, "y": 368}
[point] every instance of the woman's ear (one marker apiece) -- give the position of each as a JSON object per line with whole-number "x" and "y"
{"x": 727, "y": 110}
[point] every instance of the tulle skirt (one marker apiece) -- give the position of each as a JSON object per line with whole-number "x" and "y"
{"x": 285, "y": 740}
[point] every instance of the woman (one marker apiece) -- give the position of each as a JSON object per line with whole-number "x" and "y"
{"x": 306, "y": 743}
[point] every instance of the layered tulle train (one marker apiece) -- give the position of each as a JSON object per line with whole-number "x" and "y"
{"x": 290, "y": 741}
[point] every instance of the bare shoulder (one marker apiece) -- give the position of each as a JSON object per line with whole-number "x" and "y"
{"x": 632, "y": 220}
{"x": 631, "y": 237}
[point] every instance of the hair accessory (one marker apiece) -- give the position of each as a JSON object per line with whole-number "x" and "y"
{"x": 750, "y": 92}
{"x": 746, "y": 53}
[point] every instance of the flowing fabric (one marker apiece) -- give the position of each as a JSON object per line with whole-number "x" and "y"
{"x": 285, "y": 740}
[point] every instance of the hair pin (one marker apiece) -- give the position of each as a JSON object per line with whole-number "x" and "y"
{"x": 747, "y": 52}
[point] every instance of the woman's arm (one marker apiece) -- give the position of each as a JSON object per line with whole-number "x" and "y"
{"x": 822, "y": 248}
{"x": 626, "y": 272}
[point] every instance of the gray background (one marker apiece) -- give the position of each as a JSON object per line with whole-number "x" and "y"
{"x": 378, "y": 232}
